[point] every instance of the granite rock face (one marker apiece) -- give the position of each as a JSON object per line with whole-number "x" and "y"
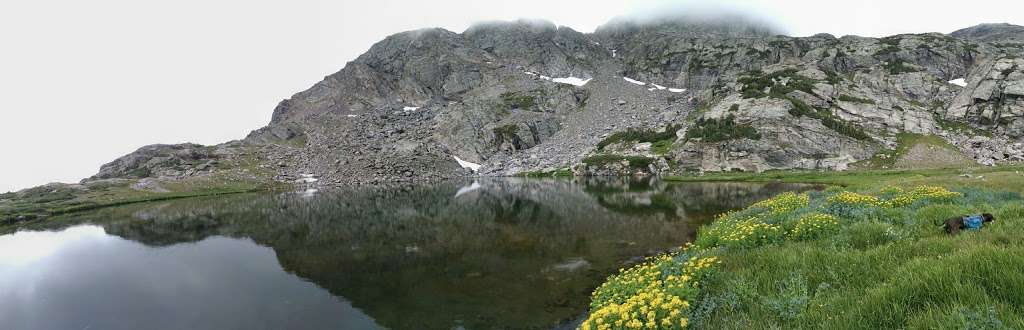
{"x": 160, "y": 160}
{"x": 530, "y": 96}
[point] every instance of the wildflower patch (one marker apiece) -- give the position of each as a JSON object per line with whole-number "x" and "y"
{"x": 655, "y": 294}
{"x": 785, "y": 202}
{"x": 814, "y": 225}
{"x": 658, "y": 293}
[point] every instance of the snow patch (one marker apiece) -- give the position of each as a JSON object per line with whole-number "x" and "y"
{"x": 409, "y": 109}
{"x": 351, "y": 116}
{"x": 567, "y": 80}
{"x": 467, "y": 189}
{"x": 959, "y": 82}
{"x": 572, "y": 81}
{"x": 308, "y": 178}
{"x": 655, "y": 86}
{"x": 635, "y": 81}
{"x": 473, "y": 166}
{"x": 614, "y": 53}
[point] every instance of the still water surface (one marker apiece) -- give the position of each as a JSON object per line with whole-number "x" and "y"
{"x": 490, "y": 254}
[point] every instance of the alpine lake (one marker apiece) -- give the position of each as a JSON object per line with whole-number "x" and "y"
{"x": 486, "y": 254}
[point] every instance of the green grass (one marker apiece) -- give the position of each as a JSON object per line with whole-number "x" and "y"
{"x": 886, "y": 271}
{"x": 1009, "y": 178}
{"x": 19, "y": 205}
{"x": 37, "y": 204}
{"x": 880, "y": 265}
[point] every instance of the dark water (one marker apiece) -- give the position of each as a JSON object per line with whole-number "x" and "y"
{"x": 500, "y": 254}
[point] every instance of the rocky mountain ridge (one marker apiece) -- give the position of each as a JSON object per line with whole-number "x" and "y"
{"x": 530, "y": 97}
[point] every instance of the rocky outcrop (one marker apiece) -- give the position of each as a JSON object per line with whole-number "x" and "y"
{"x": 993, "y": 98}
{"x": 998, "y": 32}
{"x": 529, "y": 96}
{"x": 161, "y": 160}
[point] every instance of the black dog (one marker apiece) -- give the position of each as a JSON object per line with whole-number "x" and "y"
{"x": 954, "y": 225}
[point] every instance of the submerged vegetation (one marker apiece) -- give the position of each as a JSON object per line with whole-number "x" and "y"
{"x": 872, "y": 256}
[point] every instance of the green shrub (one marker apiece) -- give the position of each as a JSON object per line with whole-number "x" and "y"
{"x": 640, "y": 135}
{"x": 756, "y": 82}
{"x": 661, "y": 147}
{"x": 724, "y": 129}
{"x": 832, "y": 77}
{"x": 848, "y": 98}
{"x": 800, "y": 108}
{"x": 844, "y": 128}
{"x": 898, "y": 66}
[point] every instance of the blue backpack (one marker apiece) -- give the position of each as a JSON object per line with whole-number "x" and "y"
{"x": 973, "y": 222}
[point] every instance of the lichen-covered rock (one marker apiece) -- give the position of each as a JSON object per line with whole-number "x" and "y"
{"x": 160, "y": 160}
{"x": 993, "y": 99}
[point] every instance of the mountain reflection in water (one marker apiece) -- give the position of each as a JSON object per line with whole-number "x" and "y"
{"x": 478, "y": 254}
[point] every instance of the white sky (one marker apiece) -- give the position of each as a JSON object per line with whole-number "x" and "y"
{"x": 84, "y": 82}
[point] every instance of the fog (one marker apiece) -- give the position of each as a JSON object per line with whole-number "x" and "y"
{"x": 84, "y": 82}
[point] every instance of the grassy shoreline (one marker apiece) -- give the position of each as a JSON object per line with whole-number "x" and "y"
{"x": 990, "y": 177}
{"x": 32, "y": 206}
{"x": 864, "y": 254}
